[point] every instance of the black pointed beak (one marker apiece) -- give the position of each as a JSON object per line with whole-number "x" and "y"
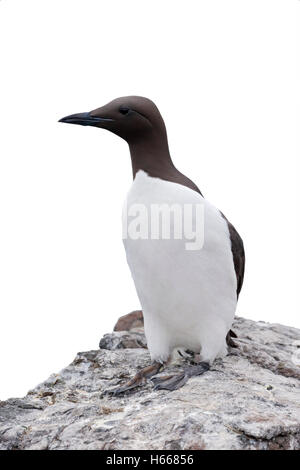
{"x": 84, "y": 119}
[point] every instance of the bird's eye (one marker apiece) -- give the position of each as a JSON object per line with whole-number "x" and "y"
{"x": 124, "y": 110}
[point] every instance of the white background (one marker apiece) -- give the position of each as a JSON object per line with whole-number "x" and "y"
{"x": 223, "y": 74}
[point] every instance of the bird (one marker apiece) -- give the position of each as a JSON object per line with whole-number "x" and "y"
{"x": 188, "y": 293}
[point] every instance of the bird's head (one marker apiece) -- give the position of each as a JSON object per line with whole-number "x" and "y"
{"x": 132, "y": 118}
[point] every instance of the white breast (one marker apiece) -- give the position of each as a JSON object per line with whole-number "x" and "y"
{"x": 188, "y": 297}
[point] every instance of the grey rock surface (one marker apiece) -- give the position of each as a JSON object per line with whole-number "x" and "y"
{"x": 248, "y": 400}
{"x": 132, "y": 339}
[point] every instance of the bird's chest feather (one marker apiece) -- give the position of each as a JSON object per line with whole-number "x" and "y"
{"x": 171, "y": 268}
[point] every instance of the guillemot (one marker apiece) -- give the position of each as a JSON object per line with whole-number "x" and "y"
{"x": 188, "y": 297}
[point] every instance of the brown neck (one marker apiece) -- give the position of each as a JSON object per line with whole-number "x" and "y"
{"x": 151, "y": 156}
{"x": 154, "y": 158}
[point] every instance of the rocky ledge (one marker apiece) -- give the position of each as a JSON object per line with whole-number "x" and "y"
{"x": 249, "y": 400}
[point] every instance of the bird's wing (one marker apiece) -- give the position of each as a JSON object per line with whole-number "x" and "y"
{"x": 238, "y": 253}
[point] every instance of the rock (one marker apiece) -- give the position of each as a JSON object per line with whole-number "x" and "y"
{"x": 248, "y": 400}
{"x": 132, "y": 320}
{"x": 128, "y": 333}
{"x": 124, "y": 340}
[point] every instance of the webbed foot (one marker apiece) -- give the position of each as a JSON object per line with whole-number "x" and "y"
{"x": 139, "y": 379}
{"x": 176, "y": 381}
